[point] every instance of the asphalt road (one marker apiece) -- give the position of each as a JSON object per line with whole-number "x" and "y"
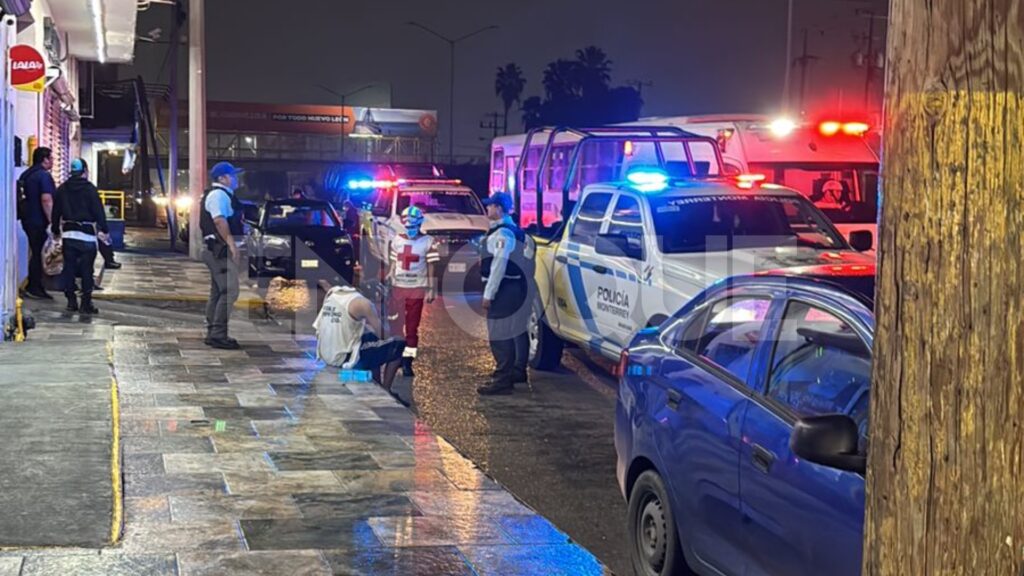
{"x": 552, "y": 446}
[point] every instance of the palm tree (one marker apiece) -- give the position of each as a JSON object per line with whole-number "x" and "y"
{"x": 595, "y": 69}
{"x": 562, "y": 80}
{"x": 509, "y": 85}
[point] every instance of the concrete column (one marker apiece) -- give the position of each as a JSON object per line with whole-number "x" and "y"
{"x": 8, "y": 205}
{"x": 197, "y": 177}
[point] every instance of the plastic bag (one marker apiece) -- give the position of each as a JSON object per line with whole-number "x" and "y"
{"x": 53, "y": 257}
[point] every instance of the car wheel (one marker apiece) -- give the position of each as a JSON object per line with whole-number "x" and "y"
{"x": 653, "y": 539}
{"x": 545, "y": 346}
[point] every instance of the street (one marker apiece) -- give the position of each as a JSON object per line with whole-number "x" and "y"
{"x": 551, "y": 446}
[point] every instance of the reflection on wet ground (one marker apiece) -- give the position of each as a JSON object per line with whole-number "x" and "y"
{"x": 260, "y": 461}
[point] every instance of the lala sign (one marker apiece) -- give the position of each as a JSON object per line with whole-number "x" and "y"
{"x": 28, "y": 69}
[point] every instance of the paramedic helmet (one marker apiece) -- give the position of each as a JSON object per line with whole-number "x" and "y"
{"x": 412, "y": 219}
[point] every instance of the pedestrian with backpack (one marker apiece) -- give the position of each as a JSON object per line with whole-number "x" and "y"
{"x": 36, "y": 190}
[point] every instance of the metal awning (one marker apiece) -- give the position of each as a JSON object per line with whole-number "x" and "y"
{"x": 98, "y": 30}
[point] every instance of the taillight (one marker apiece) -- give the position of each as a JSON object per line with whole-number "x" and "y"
{"x": 623, "y": 363}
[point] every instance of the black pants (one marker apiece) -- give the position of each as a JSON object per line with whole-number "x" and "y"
{"x": 107, "y": 251}
{"x": 36, "y": 241}
{"x": 79, "y": 259}
{"x": 223, "y": 290}
{"x": 507, "y": 322}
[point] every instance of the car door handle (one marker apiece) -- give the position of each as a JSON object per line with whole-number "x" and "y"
{"x": 600, "y": 269}
{"x": 763, "y": 459}
{"x": 674, "y": 398}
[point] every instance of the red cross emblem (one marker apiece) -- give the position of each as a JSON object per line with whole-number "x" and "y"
{"x": 407, "y": 258}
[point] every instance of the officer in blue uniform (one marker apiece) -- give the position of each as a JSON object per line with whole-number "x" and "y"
{"x": 221, "y": 222}
{"x": 507, "y": 266}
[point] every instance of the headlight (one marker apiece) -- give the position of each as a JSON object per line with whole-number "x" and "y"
{"x": 341, "y": 241}
{"x": 277, "y": 242}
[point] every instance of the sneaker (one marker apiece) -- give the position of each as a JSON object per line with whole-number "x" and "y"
{"x": 112, "y": 265}
{"x": 223, "y": 343}
{"x": 89, "y": 309}
{"x": 407, "y": 367}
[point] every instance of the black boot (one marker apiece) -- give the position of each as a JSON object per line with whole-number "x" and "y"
{"x": 72, "y": 302}
{"x": 496, "y": 386}
{"x": 88, "y": 308}
{"x": 407, "y": 367}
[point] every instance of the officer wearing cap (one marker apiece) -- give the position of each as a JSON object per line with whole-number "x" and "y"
{"x": 79, "y": 220}
{"x": 507, "y": 267}
{"x": 220, "y": 222}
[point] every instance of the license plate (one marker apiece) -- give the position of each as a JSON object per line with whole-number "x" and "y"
{"x": 310, "y": 264}
{"x": 457, "y": 267}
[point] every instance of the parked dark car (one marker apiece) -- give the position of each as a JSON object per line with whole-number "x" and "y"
{"x": 299, "y": 239}
{"x": 742, "y": 430}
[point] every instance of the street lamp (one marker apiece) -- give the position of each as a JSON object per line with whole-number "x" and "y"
{"x": 451, "y": 77}
{"x": 344, "y": 97}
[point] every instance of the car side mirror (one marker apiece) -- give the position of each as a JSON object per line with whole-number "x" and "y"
{"x": 829, "y": 440}
{"x": 618, "y": 245}
{"x": 862, "y": 240}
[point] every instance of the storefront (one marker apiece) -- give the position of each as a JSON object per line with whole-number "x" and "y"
{"x": 58, "y": 36}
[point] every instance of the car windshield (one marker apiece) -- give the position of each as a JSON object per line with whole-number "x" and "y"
{"x": 846, "y": 193}
{"x": 440, "y": 201}
{"x": 686, "y": 224}
{"x": 302, "y": 215}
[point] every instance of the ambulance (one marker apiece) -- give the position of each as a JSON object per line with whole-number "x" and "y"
{"x": 453, "y": 215}
{"x": 831, "y": 161}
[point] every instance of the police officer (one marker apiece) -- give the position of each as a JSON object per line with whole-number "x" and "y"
{"x": 220, "y": 222}
{"x": 507, "y": 268}
{"x": 35, "y": 214}
{"x": 80, "y": 221}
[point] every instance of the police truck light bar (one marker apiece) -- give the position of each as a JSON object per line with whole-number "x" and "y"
{"x": 647, "y": 179}
{"x": 748, "y": 181}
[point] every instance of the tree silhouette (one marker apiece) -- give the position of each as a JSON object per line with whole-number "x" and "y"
{"x": 594, "y": 69}
{"x": 509, "y": 85}
{"x": 578, "y": 92}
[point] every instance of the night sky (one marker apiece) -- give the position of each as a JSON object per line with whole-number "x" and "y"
{"x": 700, "y": 55}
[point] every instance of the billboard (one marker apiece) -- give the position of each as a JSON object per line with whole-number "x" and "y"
{"x": 356, "y": 121}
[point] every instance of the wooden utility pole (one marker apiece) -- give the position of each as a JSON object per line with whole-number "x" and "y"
{"x": 945, "y": 483}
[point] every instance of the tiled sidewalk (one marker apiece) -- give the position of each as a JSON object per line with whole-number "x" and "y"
{"x": 261, "y": 461}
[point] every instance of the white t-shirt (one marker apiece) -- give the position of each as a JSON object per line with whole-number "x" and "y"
{"x": 410, "y": 257}
{"x": 338, "y": 335}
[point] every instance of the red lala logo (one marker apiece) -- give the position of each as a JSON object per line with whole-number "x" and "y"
{"x": 28, "y": 69}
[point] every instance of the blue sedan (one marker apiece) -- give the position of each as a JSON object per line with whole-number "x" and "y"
{"x": 742, "y": 430}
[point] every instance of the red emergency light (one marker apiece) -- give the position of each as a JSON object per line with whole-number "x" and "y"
{"x": 831, "y": 128}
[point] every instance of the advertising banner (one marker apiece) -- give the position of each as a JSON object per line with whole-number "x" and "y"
{"x": 356, "y": 121}
{"x": 28, "y": 69}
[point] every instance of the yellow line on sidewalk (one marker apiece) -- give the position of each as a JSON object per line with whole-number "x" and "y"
{"x": 115, "y": 452}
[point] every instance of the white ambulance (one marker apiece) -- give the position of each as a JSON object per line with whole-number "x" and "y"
{"x": 830, "y": 160}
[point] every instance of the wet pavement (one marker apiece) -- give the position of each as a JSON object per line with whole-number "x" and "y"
{"x": 551, "y": 445}
{"x": 261, "y": 461}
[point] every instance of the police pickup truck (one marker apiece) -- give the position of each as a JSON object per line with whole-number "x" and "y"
{"x": 632, "y": 253}
{"x": 453, "y": 215}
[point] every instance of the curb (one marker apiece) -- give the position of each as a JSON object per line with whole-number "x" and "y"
{"x": 241, "y": 304}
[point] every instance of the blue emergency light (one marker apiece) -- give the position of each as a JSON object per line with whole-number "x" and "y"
{"x": 647, "y": 179}
{"x": 367, "y": 184}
